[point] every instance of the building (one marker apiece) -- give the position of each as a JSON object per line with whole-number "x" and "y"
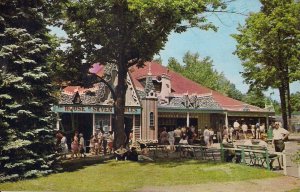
{"x": 156, "y": 97}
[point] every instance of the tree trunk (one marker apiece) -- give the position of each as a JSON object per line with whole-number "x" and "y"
{"x": 289, "y": 107}
{"x": 282, "y": 92}
{"x": 288, "y": 94}
{"x": 119, "y": 131}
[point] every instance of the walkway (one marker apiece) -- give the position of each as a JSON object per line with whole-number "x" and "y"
{"x": 278, "y": 184}
{"x": 292, "y": 146}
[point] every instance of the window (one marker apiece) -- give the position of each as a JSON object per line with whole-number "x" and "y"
{"x": 137, "y": 120}
{"x": 102, "y": 122}
{"x": 137, "y": 130}
{"x": 151, "y": 118}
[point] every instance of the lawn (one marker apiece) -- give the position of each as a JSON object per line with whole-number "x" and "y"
{"x": 126, "y": 176}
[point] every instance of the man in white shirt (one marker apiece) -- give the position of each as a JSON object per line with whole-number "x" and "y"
{"x": 206, "y": 134}
{"x": 231, "y": 130}
{"x": 121, "y": 153}
{"x": 236, "y": 127}
{"x": 245, "y": 129}
{"x": 279, "y": 135}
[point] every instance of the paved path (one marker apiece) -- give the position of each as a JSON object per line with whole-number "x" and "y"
{"x": 278, "y": 184}
{"x": 291, "y": 147}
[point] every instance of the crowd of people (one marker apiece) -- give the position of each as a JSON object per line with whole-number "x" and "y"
{"x": 77, "y": 145}
{"x": 236, "y": 131}
{"x": 99, "y": 143}
{"x": 133, "y": 154}
{"x": 102, "y": 142}
{"x": 244, "y": 131}
{"x": 174, "y": 137}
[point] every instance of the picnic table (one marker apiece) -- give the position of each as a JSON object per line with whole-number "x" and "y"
{"x": 185, "y": 150}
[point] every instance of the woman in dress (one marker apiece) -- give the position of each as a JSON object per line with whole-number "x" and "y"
{"x": 171, "y": 140}
{"x": 110, "y": 141}
{"x": 75, "y": 145}
{"x": 64, "y": 146}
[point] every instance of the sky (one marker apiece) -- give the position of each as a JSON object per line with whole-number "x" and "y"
{"x": 219, "y": 46}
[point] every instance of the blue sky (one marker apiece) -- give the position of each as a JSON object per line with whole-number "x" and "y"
{"x": 217, "y": 45}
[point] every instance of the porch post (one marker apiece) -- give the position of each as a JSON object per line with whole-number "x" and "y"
{"x": 133, "y": 128}
{"x": 226, "y": 119}
{"x": 57, "y": 121}
{"x": 188, "y": 119}
{"x": 94, "y": 124}
{"x": 267, "y": 122}
{"x": 110, "y": 123}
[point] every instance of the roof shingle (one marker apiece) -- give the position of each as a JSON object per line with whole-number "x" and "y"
{"x": 182, "y": 86}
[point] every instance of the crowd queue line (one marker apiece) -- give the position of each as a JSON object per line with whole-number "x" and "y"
{"x": 234, "y": 132}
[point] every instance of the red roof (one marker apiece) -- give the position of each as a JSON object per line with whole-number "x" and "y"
{"x": 71, "y": 90}
{"x": 181, "y": 85}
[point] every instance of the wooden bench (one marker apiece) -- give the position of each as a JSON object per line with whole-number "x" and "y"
{"x": 227, "y": 152}
{"x": 261, "y": 156}
{"x": 251, "y": 154}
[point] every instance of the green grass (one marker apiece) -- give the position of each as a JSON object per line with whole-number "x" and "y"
{"x": 127, "y": 176}
{"x": 295, "y": 190}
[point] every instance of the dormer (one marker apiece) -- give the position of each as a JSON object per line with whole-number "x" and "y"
{"x": 165, "y": 87}
{"x": 77, "y": 99}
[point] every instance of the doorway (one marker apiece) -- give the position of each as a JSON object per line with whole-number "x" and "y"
{"x": 128, "y": 124}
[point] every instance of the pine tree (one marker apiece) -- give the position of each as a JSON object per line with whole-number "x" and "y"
{"x": 27, "y": 139}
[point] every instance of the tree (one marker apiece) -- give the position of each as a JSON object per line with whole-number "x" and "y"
{"x": 233, "y": 92}
{"x": 27, "y": 141}
{"x": 174, "y": 65}
{"x": 295, "y": 101}
{"x": 158, "y": 60}
{"x": 255, "y": 97}
{"x": 202, "y": 72}
{"x": 127, "y": 33}
{"x": 268, "y": 46}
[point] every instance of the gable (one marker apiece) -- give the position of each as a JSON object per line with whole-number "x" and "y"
{"x": 100, "y": 94}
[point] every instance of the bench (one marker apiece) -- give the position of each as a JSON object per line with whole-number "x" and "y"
{"x": 250, "y": 154}
{"x": 260, "y": 156}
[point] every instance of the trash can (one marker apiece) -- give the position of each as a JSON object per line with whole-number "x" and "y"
{"x": 270, "y": 133}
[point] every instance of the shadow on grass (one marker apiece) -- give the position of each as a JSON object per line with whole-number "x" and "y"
{"x": 77, "y": 164}
{"x": 171, "y": 162}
